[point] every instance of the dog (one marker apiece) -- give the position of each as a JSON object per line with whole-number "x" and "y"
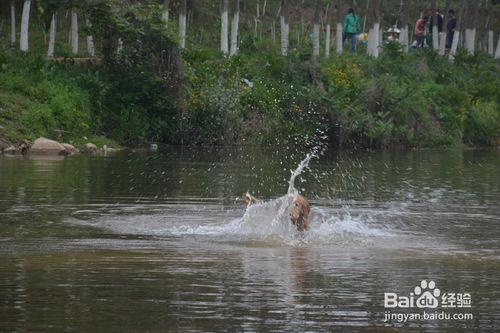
{"x": 249, "y": 199}
{"x": 299, "y": 215}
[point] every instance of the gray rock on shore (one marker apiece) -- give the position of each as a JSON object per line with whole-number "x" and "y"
{"x": 70, "y": 148}
{"x": 44, "y": 146}
{"x": 11, "y": 150}
{"x": 89, "y": 148}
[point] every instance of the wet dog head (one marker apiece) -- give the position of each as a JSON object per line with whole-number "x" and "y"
{"x": 248, "y": 199}
{"x": 300, "y": 213}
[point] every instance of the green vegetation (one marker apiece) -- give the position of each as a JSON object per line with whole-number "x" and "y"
{"x": 150, "y": 91}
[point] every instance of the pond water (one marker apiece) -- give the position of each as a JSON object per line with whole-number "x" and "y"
{"x": 162, "y": 242}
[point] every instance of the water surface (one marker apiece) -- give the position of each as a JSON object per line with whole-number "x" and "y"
{"x": 161, "y": 242}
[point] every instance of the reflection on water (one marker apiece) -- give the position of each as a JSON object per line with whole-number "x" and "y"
{"x": 138, "y": 242}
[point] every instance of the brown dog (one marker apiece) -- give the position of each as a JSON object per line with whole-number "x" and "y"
{"x": 299, "y": 214}
{"x": 249, "y": 199}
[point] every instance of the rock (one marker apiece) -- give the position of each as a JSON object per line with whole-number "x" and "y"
{"x": 4, "y": 145}
{"x": 44, "y": 146}
{"x": 70, "y": 149}
{"x": 11, "y": 150}
{"x": 89, "y": 148}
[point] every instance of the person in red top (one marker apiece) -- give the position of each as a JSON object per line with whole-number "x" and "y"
{"x": 420, "y": 31}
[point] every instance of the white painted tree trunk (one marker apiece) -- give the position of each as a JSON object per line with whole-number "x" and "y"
{"x": 403, "y": 38}
{"x": 284, "y": 35}
{"x": 435, "y": 37}
{"x": 315, "y": 39}
{"x": 454, "y": 44}
{"x": 52, "y": 36}
{"x": 234, "y": 29}
{"x": 74, "y": 32}
{"x": 119, "y": 48}
{"x": 380, "y": 38}
{"x": 491, "y": 45}
{"x": 327, "y": 40}
{"x": 339, "y": 39}
{"x": 470, "y": 40}
{"x": 224, "y": 46}
{"x": 12, "y": 23}
{"x": 373, "y": 40}
{"x": 90, "y": 41}
{"x": 25, "y": 22}
{"x": 165, "y": 13}
{"x": 497, "y": 52}
{"x": 182, "y": 28}
{"x": 442, "y": 43}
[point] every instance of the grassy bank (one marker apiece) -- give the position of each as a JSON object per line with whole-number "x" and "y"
{"x": 258, "y": 97}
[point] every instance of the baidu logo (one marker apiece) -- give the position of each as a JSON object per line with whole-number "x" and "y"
{"x": 427, "y": 295}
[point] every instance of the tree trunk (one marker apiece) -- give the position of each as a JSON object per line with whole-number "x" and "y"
{"x": 182, "y": 24}
{"x": 442, "y": 35}
{"x": 403, "y": 34}
{"x": 374, "y": 35}
{"x": 90, "y": 41}
{"x": 284, "y": 25}
{"x": 165, "y": 13}
{"x": 497, "y": 52}
{"x": 339, "y": 37}
{"x": 234, "y": 27}
{"x": 52, "y": 36}
{"x": 74, "y": 32}
{"x": 25, "y": 22}
{"x": 491, "y": 43}
{"x": 470, "y": 31}
{"x": 316, "y": 28}
{"x": 328, "y": 29}
{"x": 12, "y": 23}
{"x": 435, "y": 31}
{"x": 224, "y": 18}
{"x": 119, "y": 47}
{"x": 456, "y": 34}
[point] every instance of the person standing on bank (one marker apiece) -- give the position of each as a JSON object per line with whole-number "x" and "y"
{"x": 450, "y": 28}
{"x": 351, "y": 28}
{"x": 420, "y": 31}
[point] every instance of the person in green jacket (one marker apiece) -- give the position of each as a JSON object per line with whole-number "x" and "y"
{"x": 351, "y": 28}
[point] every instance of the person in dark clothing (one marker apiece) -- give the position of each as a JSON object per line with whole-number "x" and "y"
{"x": 450, "y": 28}
{"x": 439, "y": 19}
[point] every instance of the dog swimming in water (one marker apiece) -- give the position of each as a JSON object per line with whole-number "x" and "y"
{"x": 299, "y": 214}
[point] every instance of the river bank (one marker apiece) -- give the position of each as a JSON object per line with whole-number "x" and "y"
{"x": 397, "y": 100}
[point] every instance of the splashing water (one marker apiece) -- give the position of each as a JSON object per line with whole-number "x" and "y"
{"x": 302, "y": 165}
{"x": 267, "y": 221}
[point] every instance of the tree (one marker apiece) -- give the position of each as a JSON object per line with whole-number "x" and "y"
{"x": 442, "y": 35}
{"x": 90, "y": 39}
{"x": 374, "y": 33}
{"x": 234, "y": 27}
{"x": 339, "y": 36}
{"x": 316, "y": 26}
{"x": 182, "y": 24}
{"x": 435, "y": 28}
{"x": 13, "y": 23}
{"x": 328, "y": 31}
{"x": 284, "y": 27}
{"x": 224, "y": 27}
{"x": 497, "y": 52}
{"x": 490, "y": 33}
{"x": 165, "y": 13}
{"x": 456, "y": 34}
{"x": 52, "y": 36}
{"x": 25, "y": 21}
{"x": 74, "y": 31}
{"x": 403, "y": 34}
{"x": 470, "y": 31}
